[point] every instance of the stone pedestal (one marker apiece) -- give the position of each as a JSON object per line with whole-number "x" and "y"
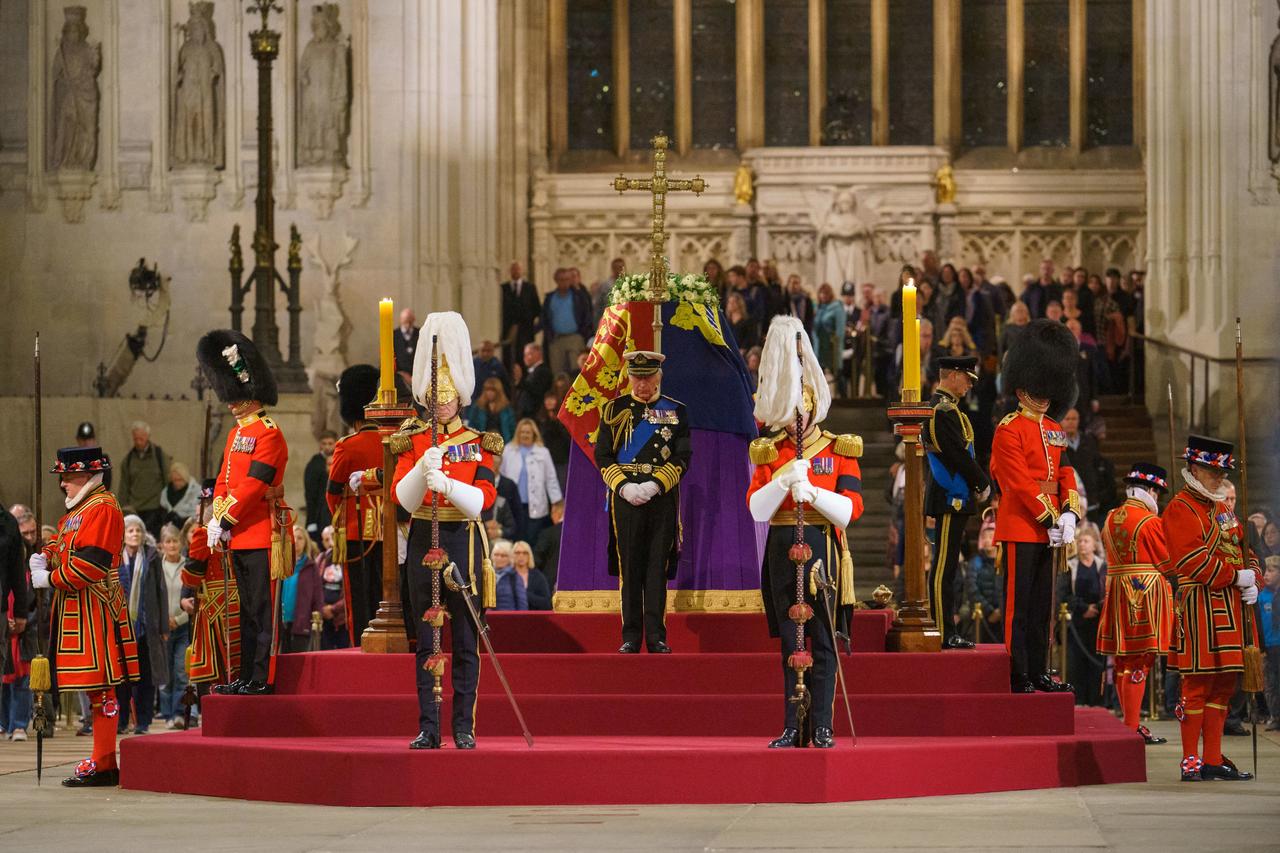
{"x": 73, "y": 188}
{"x": 321, "y": 186}
{"x": 196, "y": 186}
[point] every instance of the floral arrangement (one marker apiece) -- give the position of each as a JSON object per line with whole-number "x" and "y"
{"x": 690, "y": 287}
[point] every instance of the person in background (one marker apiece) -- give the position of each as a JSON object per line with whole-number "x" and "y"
{"x": 528, "y": 464}
{"x": 714, "y": 272}
{"x": 948, "y": 298}
{"x": 978, "y": 315}
{"x": 179, "y": 498}
{"x": 601, "y": 290}
{"x": 827, "y": 333}
{"x": 1082, "y": 588}
{"x": 301, "y": 594}
{"x": 143, "y": 475}
{"x": 24, "y": 619}
{"x": 491, "y": 411}
{"x": 1019, "y": 318}
{"x": 1041, "y": 291}
{"x": 405, "y": 342}
{"x": 520, "y": 585}
{"x": 753, "y": 367}
{"x": 546, "y": 551}
{"x": 535, "y": 383}
{"x": 799, "y": 305}
{"x": 521, "y": 315}
{"x": 1269, "y": 628}
{"x": 984, "y": 586}
{"x": 555, "y": 436}
{"x": 489, "y": 366}
{"x": 334, "y": 632}
{"x": 175, "y": 646}
{"x": 512, "y": 593}
{"x": 566, "y": 322}
{"x": 315, "y": 479}
{"x": 744, "y": 328}
{"x": 142, "y": 580}
{"x": 87, "y": 436}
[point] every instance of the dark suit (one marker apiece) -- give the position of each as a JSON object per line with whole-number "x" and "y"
{"x": 405, "y": 347}
{"x": 521, "y": 310}
{"x": 531, "y": 389}
{"x": 1084, "y": 668}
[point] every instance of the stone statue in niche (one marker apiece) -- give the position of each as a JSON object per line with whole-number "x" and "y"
{"x": 199, "y": 94}
{"x": 75, "y": 95}
{"x": 845, "y": 242}
{"x": 324, "y": 82}
{"x": 332, "y": 332}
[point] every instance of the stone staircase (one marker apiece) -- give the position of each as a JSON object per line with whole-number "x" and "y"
{"x": 869, "y": 536}
{"x": 1130, "y": 436}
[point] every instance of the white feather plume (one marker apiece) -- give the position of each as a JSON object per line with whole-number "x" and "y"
{"x": 455, "y": 349}
{"x": 782, "y": 380}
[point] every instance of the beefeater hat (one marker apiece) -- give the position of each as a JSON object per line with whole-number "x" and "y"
{"x": 1042, "y": 362}
{"x": 81, "y": 460}
{"x": 235, "y": 369}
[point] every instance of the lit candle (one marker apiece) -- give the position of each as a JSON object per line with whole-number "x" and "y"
{"x": 386, "y": 350}
{"x": 910, "y": 344}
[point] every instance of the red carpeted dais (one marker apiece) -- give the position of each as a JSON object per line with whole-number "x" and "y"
{"x": 690, "y": 727}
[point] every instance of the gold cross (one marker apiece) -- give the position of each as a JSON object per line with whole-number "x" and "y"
{"x": 659, "y": 185}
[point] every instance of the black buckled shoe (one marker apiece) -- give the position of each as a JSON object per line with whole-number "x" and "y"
{"x": 1226, "y": 771}
{"x": 87, "y": 775}
{"x": 629, "y": 647}
{"x": 464, "y": 740}
{"x": 789, "y": 739}
{"x": 659, "y": 648}
{"x": 1045, "y": 684}
{"x": 426, "y": 740}
{"x": 1191, "y": 769}
{"x": 1149, "y": 738}
{"x": 1022, "y": 685}
{"x": 256, "y": 688}
{"x": 824, "y": 738}
{"x": 229, "y": 689}
{"x": 955, "y": 641}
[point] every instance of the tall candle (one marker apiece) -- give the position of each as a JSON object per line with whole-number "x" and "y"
{"x": 386, "y": 350}
{"x": 910, "y": 344}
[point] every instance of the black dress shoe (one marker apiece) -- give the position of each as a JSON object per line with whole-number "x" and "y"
{"x": 100, "y": 779}
{"x": 426, "y": 740}
{"x": 1226, "y": 771}
{"x": 659, "y": 648}
{"x": 1022, "y": 685}
{"x": 1191, "y": 766}
{"x": 464, "y": 740}
{"x": 256, "y": 688}
{"x": 824, "y": 738}
{"x": 1149, "y": 738}
{"x": 1045, "y": 684}
{"x": 629, "y": 647}
{"x": 955, "y": 641}
{"x": 230, "y": 689}
{"x": 788, "y": 739}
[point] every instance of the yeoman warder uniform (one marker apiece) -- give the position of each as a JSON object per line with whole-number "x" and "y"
{"x": 828, "y": 483}
{"x": 1136, "y": 623}
{"x": 461, "y": 473}
{"x": 643, "y": 450}
{"x": 250, "y": 518}
{"x": 217, "y": 606}
{"x": 93, "y": 647}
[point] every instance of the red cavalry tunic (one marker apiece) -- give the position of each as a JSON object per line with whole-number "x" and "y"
{"x": 1137, "y": 612}
{"x": 468, "y": 458}
{"x": 360, "y": 451}
{"x": 253, "y": 462}
{"x": 215, "y": 592}
{"x": 93, "y": 639}
{"x": 1205, "y": 549}
{"x": 1035, "y": 487}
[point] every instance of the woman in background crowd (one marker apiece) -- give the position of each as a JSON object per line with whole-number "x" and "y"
{"x": 528, "y": 464}
{"x": 491, "y": 411}
{"x": 175, "y": 647}
{"x": 179, "y": 498}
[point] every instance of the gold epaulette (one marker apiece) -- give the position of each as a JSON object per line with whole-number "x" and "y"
{"x": 268, "y": 423}
{"x": 1009, "y": 418}
{"x": 763, "y": 451}
{"x": 847, "y": 444}
{"x": 492, "y": 442}
{"x": 402, "y": 439}
{"x": 946, "y": 404}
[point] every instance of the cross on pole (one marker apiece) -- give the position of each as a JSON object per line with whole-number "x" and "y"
{"x": 659, "y": 185}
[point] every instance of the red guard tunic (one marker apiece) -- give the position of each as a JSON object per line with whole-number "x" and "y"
{"x": 253, "y": 463}
{"x": 1205, "y": 542}
{"x": 1137, "y": 612}
{"x": 93, "y": 639}
{"x": 360, "y": 451}
{"x": 1035, "y": 487}
{"x": 216, "y": 592}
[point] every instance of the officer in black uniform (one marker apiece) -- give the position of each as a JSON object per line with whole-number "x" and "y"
{"x": 642, "y": 451}
{"x": 956, "y": 486}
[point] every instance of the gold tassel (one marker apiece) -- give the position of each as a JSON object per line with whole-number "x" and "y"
{"x": 188, "y": 658}
{"x": 40, "y": 680}
{"x": 813, "y": 582}
{"x": 846, "y": 577}
{"x": 340, "y": 534}
{"x": 1254, "y": 680}
{"x": 490, "y": 584}
{"x": 281, "y": 554}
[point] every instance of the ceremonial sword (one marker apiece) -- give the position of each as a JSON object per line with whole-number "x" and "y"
{"x": 823, "y": 582}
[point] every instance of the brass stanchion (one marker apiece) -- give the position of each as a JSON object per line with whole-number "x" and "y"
{"x": 1064, "y": 619}
{"x": 977, "y": 616}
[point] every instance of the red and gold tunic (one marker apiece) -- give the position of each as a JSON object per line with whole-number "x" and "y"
{"x": 252, "y": 470}
{"x": 1205, "y": 549}
{"x": 94, "y": 646}
{"x": 216, "y": 592}
{"x": 1137, "y": 612}
{"x": 361, "y": 518}
{"x": 1035, "y": 487}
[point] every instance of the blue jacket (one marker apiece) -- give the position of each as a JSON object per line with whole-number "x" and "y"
{"x": 1269, "y": 623}
{"x": 581, "y": 314}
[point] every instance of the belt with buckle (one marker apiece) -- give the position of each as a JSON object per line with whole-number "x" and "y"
{"x": 636, "y": 467}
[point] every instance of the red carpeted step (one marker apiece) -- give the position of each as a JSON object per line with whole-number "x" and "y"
{"x": 983, "y": 671}
{"x": 541, "y": 631}
{"x": 685, "y": 715}
{"x": 381, "y": 771}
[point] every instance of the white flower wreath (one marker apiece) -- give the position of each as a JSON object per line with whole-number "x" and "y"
{"x": 687, "y": 287}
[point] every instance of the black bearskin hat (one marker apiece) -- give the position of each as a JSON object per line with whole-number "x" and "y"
{"x": 235, "y": 369}
{"x": 357, "y": 386}
{"x": 1042, "y": 362}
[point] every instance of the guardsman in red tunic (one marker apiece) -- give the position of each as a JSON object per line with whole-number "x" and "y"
{"x": 1039, "y": 504}
{"x": 217, "y": 606}
{"x": 248, "y": 502}
{"x": 461, "y": 471}
{"x": 1216, "y": 577}
{"x": 93, "y": 643}
{"x": 1137, "y": 613}
{"x": 828, "y": 482}
{"x": 353, "y": 495}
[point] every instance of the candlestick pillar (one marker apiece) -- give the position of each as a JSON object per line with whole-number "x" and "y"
{"x": 913, "y": 629}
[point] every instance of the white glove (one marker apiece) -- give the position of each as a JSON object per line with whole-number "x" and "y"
{"x": 213, "y": 532}
{"x": 433, "y": 459}
{"x": 354, "y": 481}
{"x": 40, "y": 579}
{"x": 437, "y": 481}
{"x": 794, "y": 473}
{"x": 38, "y": 562}
{"x": 649, "y": 490}
{"x": 632, "y": 494}
{"x": 804, "y": 492}
{"x": 1249, "y": 595}
{"x": 1067, "y": 527}
{"x": 1055, "y": 537}
{"x": 1245, "y": 578}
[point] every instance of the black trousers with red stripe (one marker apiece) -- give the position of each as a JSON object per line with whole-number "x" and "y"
{"x": 1028, "y": 609}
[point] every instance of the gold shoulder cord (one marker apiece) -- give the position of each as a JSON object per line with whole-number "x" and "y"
{"x": 625, "y": 419}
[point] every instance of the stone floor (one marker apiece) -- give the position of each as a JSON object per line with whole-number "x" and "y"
{"x": 1163, "y": 815}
